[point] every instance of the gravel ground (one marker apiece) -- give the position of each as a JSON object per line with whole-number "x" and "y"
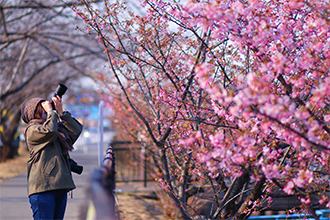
{"x": 136, "y": 206}
{"x": 14, "y": 167}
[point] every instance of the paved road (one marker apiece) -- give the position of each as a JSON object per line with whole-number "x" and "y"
{"x": 14, "y": 202}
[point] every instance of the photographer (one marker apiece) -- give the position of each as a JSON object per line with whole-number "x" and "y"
{"x": 49, "y": 141}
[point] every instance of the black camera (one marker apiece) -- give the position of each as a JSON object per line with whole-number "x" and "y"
{"x": 60, "y": 90}
{"x": 75, "y": 167}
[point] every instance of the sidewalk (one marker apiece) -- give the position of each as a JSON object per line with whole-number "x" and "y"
{"x": 14, "y": 203}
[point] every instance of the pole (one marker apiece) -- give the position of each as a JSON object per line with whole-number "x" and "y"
{"x": 145, "y": 165}
{"x": 100, "y": 132}
{"x": 145, "y": 169}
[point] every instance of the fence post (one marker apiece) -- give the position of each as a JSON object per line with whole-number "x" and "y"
{"x": 101, "y": 190}
{"x": 100, "y": 132}
{"x": 145, "y": 165}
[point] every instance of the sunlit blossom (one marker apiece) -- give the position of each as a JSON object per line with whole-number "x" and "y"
{"x": 288, "y": 189}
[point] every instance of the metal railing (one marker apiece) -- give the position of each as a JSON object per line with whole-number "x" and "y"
{"x": 131, "y": 163}
{"x": 101, "y": 191}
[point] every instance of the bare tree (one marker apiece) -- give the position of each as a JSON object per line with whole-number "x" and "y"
{"x": 39, "y": 49}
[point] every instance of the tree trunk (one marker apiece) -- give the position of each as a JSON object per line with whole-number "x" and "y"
{"x": 237, "y": 187}
{"x": 227, "y": 206}
{"x": 8, "y": 152}
{"x": 9, "y": 149}
{"x": 255, "y": 194}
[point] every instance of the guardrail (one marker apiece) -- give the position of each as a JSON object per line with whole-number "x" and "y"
{"x": 101, "y": 191}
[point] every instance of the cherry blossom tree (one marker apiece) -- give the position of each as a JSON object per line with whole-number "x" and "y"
{"x": 229, "y": 97}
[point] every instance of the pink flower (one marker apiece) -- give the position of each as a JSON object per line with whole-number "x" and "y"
{"x": 198, "y": 135}
{"x": 288, "y": 189}
{"x": 238, "y": 6}
{"x": 322, "y": 200}
{"x": 306, "y": 61}
{"x": 306, "y": 201}
{"x": 233, "y": 110}
{"x": 296, "y": 4}
{"x": 326, "y": 118}
{"x": 202, "y": 71}
{"x": 271, "y": 172}
{"x": 270, "y": 200}
{"x": 317, "y": 47}
{"x": 238, "y": 158}
{"x": 217, "y": 139}
{"x": 278, "y": 62}
{"x": 250, "y": 152}
{"x": 187, "y": 141}
{"x": 221, "y": 112}
{"x": 252, "y": 82}
{"x": 203, "y": 158}
{"x": 319, "y": 22}
{"x": 304, "y": 177}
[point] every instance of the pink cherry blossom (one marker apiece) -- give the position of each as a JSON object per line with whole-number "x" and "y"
{"x": 303, "y": 178}
{"x": 288, "y": 189}
{"x": 306, "y": 201}
{"x": 271, "y": 172}
{"x": 231, "y": 81}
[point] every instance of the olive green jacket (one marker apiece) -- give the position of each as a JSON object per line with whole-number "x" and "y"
{"x": 48, "y": 168}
